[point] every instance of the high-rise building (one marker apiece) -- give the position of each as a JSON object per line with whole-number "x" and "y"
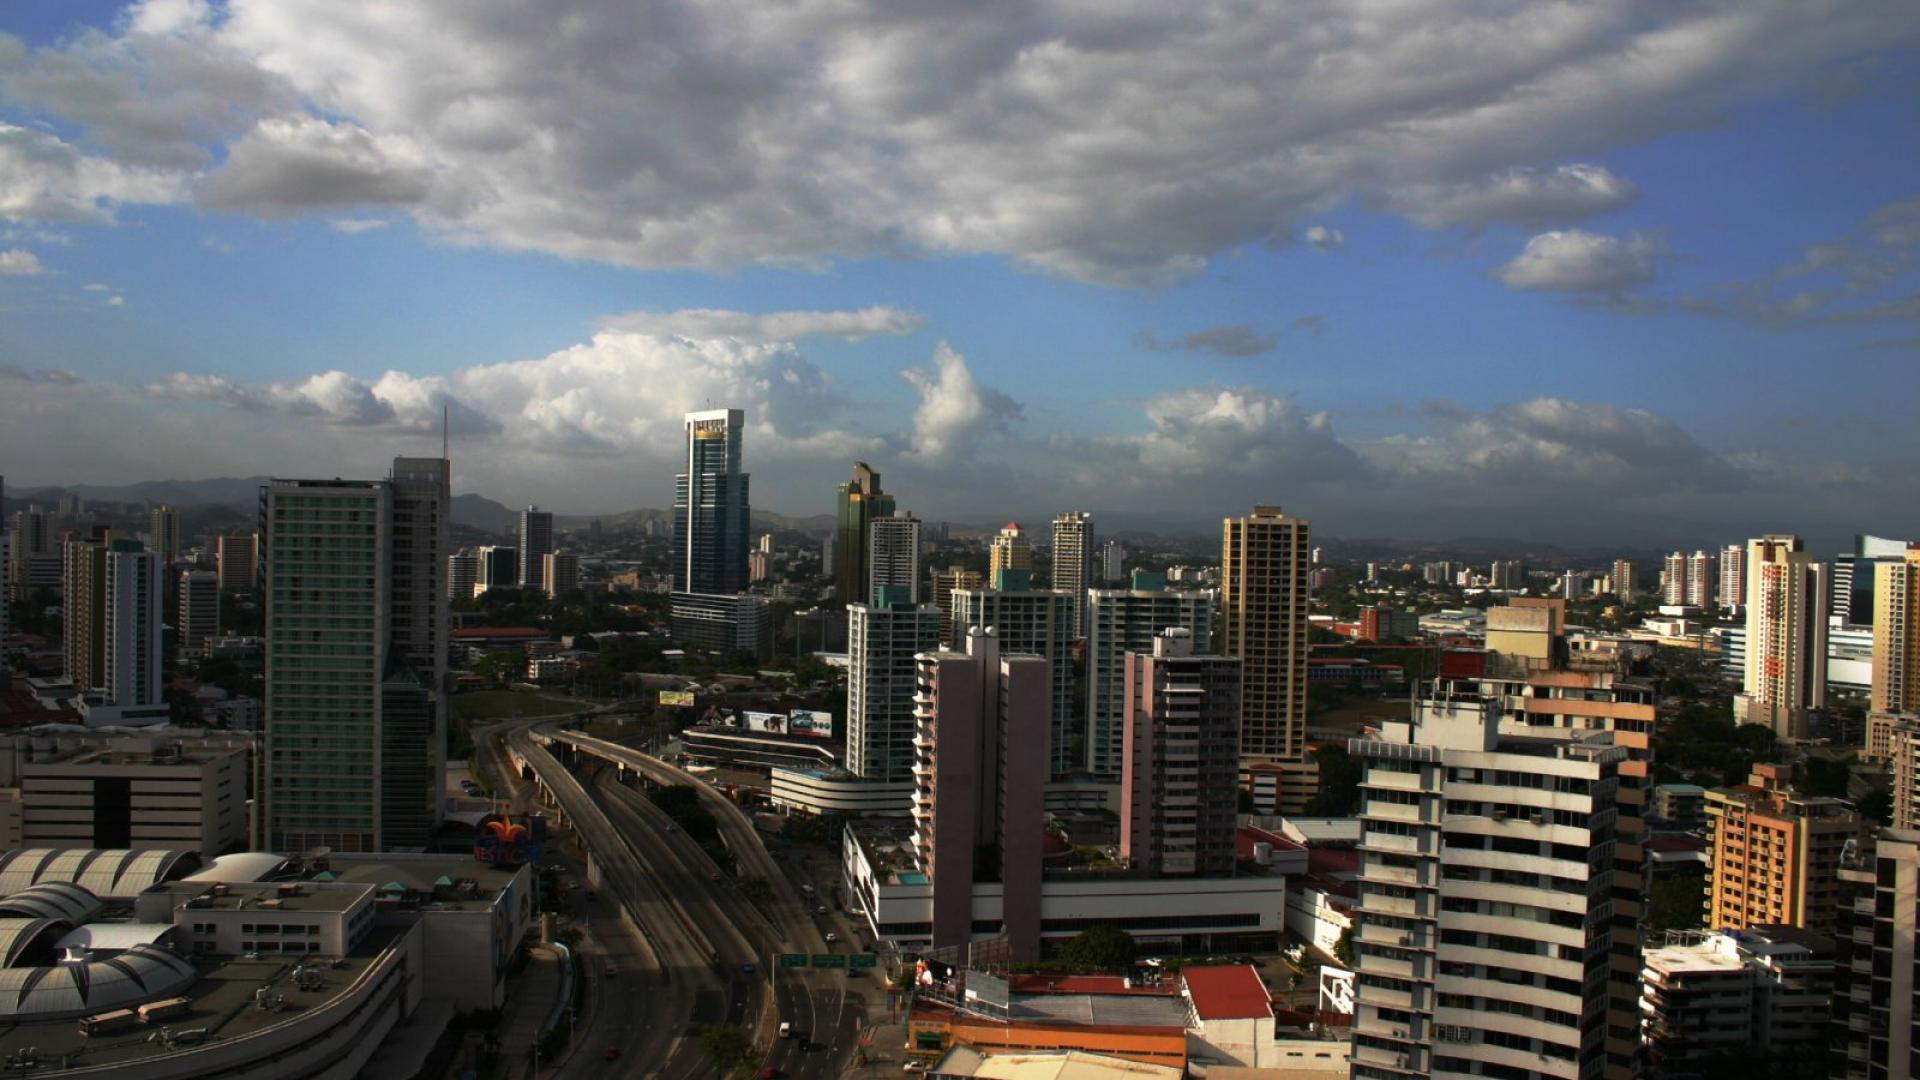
{"x": 1854, "y": 574}
{"x": 893, "y": 554}
{"x": 978, "y": 792}
{"x": 1733, "y": 578}
{"x": 164, "y": 528}
{"x": 1507, "y": 574}
{"x": 1437, "y": 573}
{"x": 560, "y": 570}
{"x": 1073, "y": 550}
{"x": 356, "y": 622}
{"x": 238, "y": 555}
{"x": 1496, "y": 959}
{"x": 198, "y": 619}
{"x": 759, "y": 565}
{"x": 1263, "y": 608}
{"x": 83, "y": 612}
{"x": 1621, "y": 576}
{"x": 860, "y": 503}
{"x": 6, "y": 568}
{"x": 1010, "y": 550}
{"x": 133, "y": 595}
{"x": 1775, "y": 854}
{"x": 1703, "y": 580}
{"x": 1896, "y": 637}
{"x": 1036, "y": 621}
{"x": 719, "y": 624}
{"x": 1179, "y": 797}
{"x": 498, "y": 568}
{"x": 766, "y": 543}
{"x": 1901, "y": 744}
{"x": 1113, "y": 561}
{"x": 536, "y": 540}
{"x": 711, "y": 519}
{"x": 1674, "y": 578}
{"x": 883, "y": 637}
{"x": 1786, "y": 672}
{"x": 34, "y": 559}
{"x": 1721, "y": 994}
{"x": 1876, "y": 999}
{"x": 1120, "y": 621}
{"x": 944, "y": 583}
{"x": 463, "y": 574}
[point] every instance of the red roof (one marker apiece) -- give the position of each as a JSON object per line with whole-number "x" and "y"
{"x": 1231, "y": 992}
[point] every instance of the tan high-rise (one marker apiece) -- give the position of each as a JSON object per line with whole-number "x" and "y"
{"x": 1786, "y": 672}
{"x": 1011, "y": 550}
{"x": 1775, "y": 854}
{"x": 1896, "y": 636}
{"x": 1263, "y": 607}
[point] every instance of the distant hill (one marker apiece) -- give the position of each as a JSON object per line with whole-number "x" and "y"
{"x": 480, "y": 512}
{"x": 236, "y": 492}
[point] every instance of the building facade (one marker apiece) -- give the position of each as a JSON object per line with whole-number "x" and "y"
{"x": 1786, "y": 669}
{"x": 1733, "y": 578}
{"x": 859, "y": 503}
{"x": 1073, "y": 558}
{"x": 942, "y": 585}
{"x": 498, "y": 567}
{"x": 463, "y": 575}
{"x": 893, "y": 555}
{"x": 535, "y": 536}
{"x": 1775, "y": 855}
{"x": 1876, "y": 1000}
{"x": 163, "y": 531}
{"x": 1128, "y": 620}
{"x": 131, "y": 625}
{"x": 711, "y": 518}
{"x": 883, "y": 637}
{"x": 1010, "y": 550}
{"x": 237, "y": 556}
{"x": 560, "y": 573}
{"x": 1037, "y": 622}
{"x": 167, "y": 797}
{"x": 1178, "y": 784}
{"x": 1263, "y": 609}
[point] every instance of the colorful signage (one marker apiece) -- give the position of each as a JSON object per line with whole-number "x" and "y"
{"x": 682, "y": 699}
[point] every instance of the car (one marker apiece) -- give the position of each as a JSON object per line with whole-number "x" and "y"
{"x": 612, "y": 1054}
{"x": 914, "y": 1067}
{"x": 786, "y": 1029}
{"x": 832, "y": 937}
{"x": 821, "y": 910}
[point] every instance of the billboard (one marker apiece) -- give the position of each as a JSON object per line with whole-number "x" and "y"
{"x": 680, "y": 698}
{"x": 502, "y": 842}
{"x": 810, "y": 722}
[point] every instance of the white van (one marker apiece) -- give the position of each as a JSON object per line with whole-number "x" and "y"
{"x": 786, "y": 1029}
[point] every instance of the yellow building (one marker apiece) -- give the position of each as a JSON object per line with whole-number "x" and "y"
{"x": 1775, "y": 854}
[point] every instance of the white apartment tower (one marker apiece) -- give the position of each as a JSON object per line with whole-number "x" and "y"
{"x": 1120, "y": 621}
{"x": 1733, "y": 577}
{"x": 1702, "y": 580}
{"x": 883, "y": 638}
{"x": 1073, "y": 557}
{"x": 893, "y": 555}
{"x": 1674, "y": 579}
{"x": 463, "y": 573}
{"x": 1786, "y": 668}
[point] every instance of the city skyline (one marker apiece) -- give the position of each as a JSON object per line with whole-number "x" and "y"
{"x": 997, "y": 327}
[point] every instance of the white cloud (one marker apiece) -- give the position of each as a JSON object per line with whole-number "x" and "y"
{"x": 95, "y": 286}
{"x": 116, "y": 300}
{"x": 20, "y": 262}
{"x": 1574, "y": 260}
{"x": 1112, "y": 144}
{"x": 955, "y": 409}
{"x": 352, "y": 226}
{"x": 45, "y": 179}
{"x": 1324, "y": 238}
{"x": 878, "y": 321}
{"x": 1527, "y": 197}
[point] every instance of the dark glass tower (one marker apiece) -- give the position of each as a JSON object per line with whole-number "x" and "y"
{"x": 861, "y": 501}
{"x": 710, "y": 515}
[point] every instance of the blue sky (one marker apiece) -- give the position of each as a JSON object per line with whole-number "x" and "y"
{"x": 1382, "y": 271}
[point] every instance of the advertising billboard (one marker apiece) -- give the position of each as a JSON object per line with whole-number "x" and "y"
{"x": 810, "y": 722}
{"x": 680, "y": 698}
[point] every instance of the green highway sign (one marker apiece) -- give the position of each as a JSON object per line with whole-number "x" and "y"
{"x": 793, "y": 959}
{"x": 863, "y": 960}
{"x": 829, "y": 960}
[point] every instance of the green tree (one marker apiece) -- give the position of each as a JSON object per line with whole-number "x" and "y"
{"x": 1343, "y": 948}
{"x": 725, "y": 1046}
{"x": 1339, "y": 794}
{"x": 1674, "y": 904}
{"x": 1827, "y": 777}
{"x": 1104, "y": 947}
{"x": 1877, "y": 805}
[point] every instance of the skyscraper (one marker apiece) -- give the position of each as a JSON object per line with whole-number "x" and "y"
{"x": 1674, "y": 580}
{"x": 198, "y": 618}
{"x": 1179, "y": 781}
{"x": 1073, "y": 552}
{"x": 463, "y": 575}
{"x": 860, "y": 503}
{"x": 1853, "y": 576}
{"x": 710, "y": 507}
{"x": 164, "y": 526}
{"x": 83, "y": 612}
{"x": 34, "y": 559}
{"x": 1622, "y": 578}
{"x": 1113, "y": 561}
{"x": 498, "y": 567}
{"x": 561, "y": 572}
{"x": 1733, "y": 578}
{"x": 1011, "y": 550}
{"x": 1876, "y": 1000}
{"x": 944, "y": 583}
{"x": 1786, "y": 669}
{"x": 238, "y": 555}
{"x": 893, "y": 554}
{"x": 883, "y": 637}
{"x": 1036, "y": 621}
{"x": 1120, "y": 621}
{"x": 536, "y": 539}
{"x": 1263, "y": 606}
{"x": 1703, "y": 580}
{"x": 1896, "y": 636}
{"x": 133, "y": 590}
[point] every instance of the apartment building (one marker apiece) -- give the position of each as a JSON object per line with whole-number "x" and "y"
{"x": 1178, "y": 796}
{"x": 1128, "y": 620}
{"x": 1707, "y": 994}
{"x": 1775, "y": 854}
{"x": 1876, "y": 999}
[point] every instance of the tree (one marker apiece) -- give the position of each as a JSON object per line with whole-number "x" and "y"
{"x": 1827, "y": 777}
{"x": 1877, "y": 805}
{"x": 1339, "y": 794}
{"x": 1104, "y": 947}
{"x": 725, "y": 1046}
{"x": 1343, "y": 948}
{"x": 1674, "y": 904}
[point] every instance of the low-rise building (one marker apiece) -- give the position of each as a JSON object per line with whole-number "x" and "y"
{"x": 837, "y": 791}
{"x": 1767, "y": 989}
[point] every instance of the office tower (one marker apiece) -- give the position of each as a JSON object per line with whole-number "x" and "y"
{"x": 1765, "y": 989}
{"x": 1514, "y": 922}
{"x": 859, "y": 504}
{"x": 1674, "y": 578}
{"x": 827, "y": 555}
{"x": 1120, "y": 621}
{"x": 1073, "y": 550}
{"x": 1179, "y": 781}
{"x": 164, "y": 526}
{"x": 893, "y": 554}
{"x": 1506, "y": 574}
{"x": 1702, "y": 580}
{"x": 198, "y": 619}
{"x": 1896, "y": 636}
{"x": 710, "y": 507}
{"x": 1263, "y": 607}
{"x": 1113, "y": 561}
{"x": 536, "y": 540}
{"x": 1786, "y": 671}
{"x": 498, "y": 568}
{"x": 883, "y": 637}
{"x": 1853, "y": 576}
{"x": 944, "y": 583}
{"x": 1010, "y": 550}
{"x": 131, "y": 624}
{"x": 83, "y": 612}
{"x": 758, "y": 565}
{"x": 463, "y": 575}
{"x": 238, "y": 555}
{"x": 1621, "y": 576}
{"x": 978, "y": 789}
{"x": 1733, "y": 578}
{"x": 1036, "y": 621}
{"x": 356, "y": 637}
{"x": 1774, "y": 853}
{"x": 719, "y": 624}
{"x": 561, "y": 572}
{"x": 1876, "y": 999}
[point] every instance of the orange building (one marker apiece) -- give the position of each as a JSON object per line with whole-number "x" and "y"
{"x": 1775, "y": 855}
{"x": 933, "y": 1029}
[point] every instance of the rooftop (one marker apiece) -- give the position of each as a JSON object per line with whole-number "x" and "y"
{"x": 1048, "y": 1065}
{"x": 1227, "y": 992}
{"x": 264, "y": 896}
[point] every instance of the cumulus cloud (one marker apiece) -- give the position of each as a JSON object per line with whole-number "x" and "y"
{"x": 45, "y": 179}
{"x": 1324, "y": 238}
{"x": 1574, "y": 260}
{"x": 694, "y": 136}
{"x": 1526, "y": 197}
{"x": 955, "y": 409}
{"x": 19, "y": 262}
{"x": 1238, "y": 340}
{"x": 1207, "y": 432}
{"x": 877, "y": 321}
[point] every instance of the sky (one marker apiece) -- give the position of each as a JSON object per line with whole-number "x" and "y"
{"x": 1599, "y": 272}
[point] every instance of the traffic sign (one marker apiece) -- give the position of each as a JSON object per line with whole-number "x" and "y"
{"x": 829, "y": 960}
{"x": 863, "y": 960}
{"x": 793, "y": 960}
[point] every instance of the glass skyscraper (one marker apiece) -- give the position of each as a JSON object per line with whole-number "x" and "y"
{"x": 710, "y": 515}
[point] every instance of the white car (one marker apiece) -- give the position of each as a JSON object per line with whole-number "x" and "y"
{"x": 832, "y": 937}
{"x": 786, "y": 1029}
